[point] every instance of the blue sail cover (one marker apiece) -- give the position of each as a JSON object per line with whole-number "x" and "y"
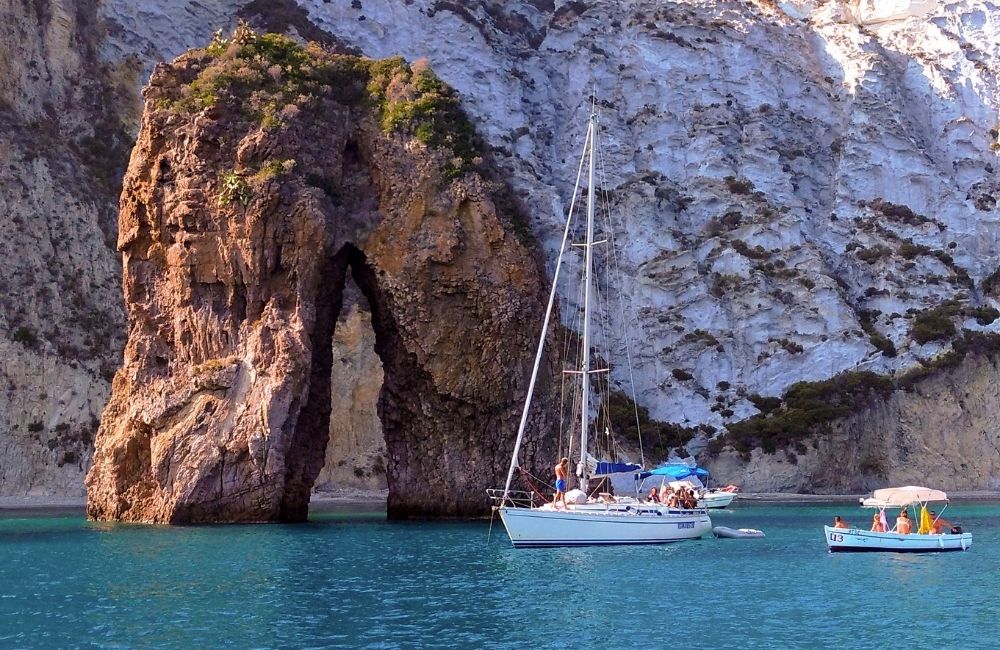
{"x": 676, "y": 472}
{"x": 604, "y": 468}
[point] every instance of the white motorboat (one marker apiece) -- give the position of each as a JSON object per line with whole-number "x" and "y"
{"x": 594, "y": 521}
{"x": 930, "y": 537}
{"x": 715, "y": 498}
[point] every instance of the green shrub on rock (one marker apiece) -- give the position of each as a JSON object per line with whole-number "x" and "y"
{"x": 934, "y": 324}
{"x": 805, "y": 405}
{"x": 271, "y": 78}
{"x": 879, "y": 340}
{"x": 658, "y": 438}
{"x": 25, "y": 336}
{"x": 984, "y": 315}
{"x": 681, "y": 375}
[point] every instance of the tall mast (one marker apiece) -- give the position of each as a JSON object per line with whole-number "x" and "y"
{"x": 585, "y": 363}
{"x": 545, "y": 324}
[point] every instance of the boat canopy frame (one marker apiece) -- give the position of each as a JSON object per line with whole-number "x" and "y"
{"x": 903, "y": 497}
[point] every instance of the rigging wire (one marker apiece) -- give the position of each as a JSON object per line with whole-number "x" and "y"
{"x": 621, "y": 299}
{"x": 571, "y": 342}
{"x": 541, "y": 343}
{"x": 527, "y": 476}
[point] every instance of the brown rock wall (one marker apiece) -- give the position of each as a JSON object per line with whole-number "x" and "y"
{"x": 238, "y": 227}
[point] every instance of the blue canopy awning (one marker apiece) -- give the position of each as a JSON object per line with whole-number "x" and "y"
{"x": 675, "y": 472}
{"x": 604, "y": 468}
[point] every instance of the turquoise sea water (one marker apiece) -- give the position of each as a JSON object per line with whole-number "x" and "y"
{"x": 352, "y": 579}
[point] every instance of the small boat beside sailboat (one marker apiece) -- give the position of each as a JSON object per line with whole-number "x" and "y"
{"x": 725, "y": 532}
{"x": 717, "y": 498}
{"x": 929, "y": 537}
{"x": 691, "y": 477}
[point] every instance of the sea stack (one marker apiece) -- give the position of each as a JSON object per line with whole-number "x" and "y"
{"x": 263, "y": 174}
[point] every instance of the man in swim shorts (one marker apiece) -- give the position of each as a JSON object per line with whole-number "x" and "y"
{"x": 561, "y": 482}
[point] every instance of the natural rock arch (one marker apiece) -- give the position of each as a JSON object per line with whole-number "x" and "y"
{"x": 263, "y": 174}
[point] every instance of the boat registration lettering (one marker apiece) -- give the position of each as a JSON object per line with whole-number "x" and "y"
{"x": 836, "y": 537}
{"x": 685, "y": 524}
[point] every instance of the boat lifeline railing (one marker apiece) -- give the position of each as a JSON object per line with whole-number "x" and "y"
{"x": 516, "y": 498}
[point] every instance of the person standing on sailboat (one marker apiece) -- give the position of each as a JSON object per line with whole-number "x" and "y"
{"x": 561, "y": 482}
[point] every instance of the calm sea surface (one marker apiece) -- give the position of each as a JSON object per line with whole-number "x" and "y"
{"x": 352, "y": 579}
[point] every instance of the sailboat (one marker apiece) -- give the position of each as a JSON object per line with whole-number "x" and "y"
{"x": 586, "y": 521}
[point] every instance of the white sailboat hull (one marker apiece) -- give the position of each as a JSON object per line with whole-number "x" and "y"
{"x": 534, "y": 527}
{"x": 850, "y": 540}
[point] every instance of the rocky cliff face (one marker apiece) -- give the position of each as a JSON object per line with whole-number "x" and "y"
{"x": 63, "y": 145}
{"x": 799, "y": 179}
{"x": 263, "y": 174}
{"x": 942, "y": 430}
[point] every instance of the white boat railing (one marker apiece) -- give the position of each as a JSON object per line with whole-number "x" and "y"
{"x": 516, "y": 498}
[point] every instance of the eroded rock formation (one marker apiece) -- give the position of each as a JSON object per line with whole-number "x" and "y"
{"x": 264, "y": 173}
{"x": 864, "y": 131}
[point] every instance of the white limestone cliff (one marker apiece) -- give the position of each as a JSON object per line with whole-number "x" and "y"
{"x": 61, "y": 316}
{"x": 853, "y": 102}
{"x": 728, "y": 126}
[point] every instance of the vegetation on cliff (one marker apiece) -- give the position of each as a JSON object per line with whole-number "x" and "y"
{"x": 807, "y": 405}
{"x": 271, "y": 78}
{"x": 628, "y": 421}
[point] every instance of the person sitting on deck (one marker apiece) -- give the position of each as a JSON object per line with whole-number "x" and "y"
{"x": 665, "y": 493}
{"x": 653, "y": 495}
{"x": 840, "y": 523}
{"x": 877, "y": 525}
{"x": 903, "y": 524}
{"x": 941, "y": 526}
{"x": 689, "y": 500}
{"x": 674, "y": 501}
{"x": 937, "y": 525}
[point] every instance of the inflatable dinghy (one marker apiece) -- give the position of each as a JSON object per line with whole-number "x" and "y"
{"x": 736, "y": 533}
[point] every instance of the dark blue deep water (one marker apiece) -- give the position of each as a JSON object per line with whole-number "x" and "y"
{"x": 352, "y": 579}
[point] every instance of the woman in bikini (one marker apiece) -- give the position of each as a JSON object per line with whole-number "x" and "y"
{"x": 903, "y": 524}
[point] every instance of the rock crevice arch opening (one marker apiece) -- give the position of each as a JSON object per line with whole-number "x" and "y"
{"x": 235, "y": 265}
